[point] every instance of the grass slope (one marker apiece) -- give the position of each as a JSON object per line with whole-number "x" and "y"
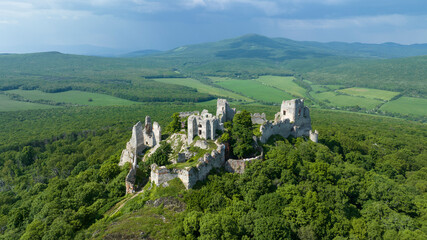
{"x": 407, "y": 105}
{"x": 6, "y": 104}
{"x": 256, "y": 90}
{"x": 76, "y": 97}
{"x": 370, "y": 93}
{"x": 203, "y": 88}
{"x": 283, "y": 83}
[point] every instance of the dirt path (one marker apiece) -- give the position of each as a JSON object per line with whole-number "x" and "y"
{"x": 125, "y": 201}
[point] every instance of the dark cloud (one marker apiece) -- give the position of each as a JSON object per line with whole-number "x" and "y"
{"x": 143, "y": 24}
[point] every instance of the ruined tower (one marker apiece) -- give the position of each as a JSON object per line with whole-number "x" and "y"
{"x": 142, "y": 137}
{"x": 224, "y": 112}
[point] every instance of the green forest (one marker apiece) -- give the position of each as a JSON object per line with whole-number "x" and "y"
{"x": 353, "y": 184}
{"x": 65, "y": 119}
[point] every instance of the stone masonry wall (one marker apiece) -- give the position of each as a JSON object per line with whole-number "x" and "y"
{"x": 282, "y": 128}
{"x": 190, "y": 175}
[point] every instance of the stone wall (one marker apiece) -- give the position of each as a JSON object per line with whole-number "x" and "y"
{"x": 142, "y": 137}
{"x": 161, "y": 175}
{"x": 293, "y": 119}
{"x": 282, "y": 128}
{"x": 224, "y": 112}
{"x": 130, "y": 181}
{"x": 190, "y": 175}
{"x": 239, "y": 166}
{"x": 314, "y": 136}
{"x": 258, "y": 118}
{"x": 204, "y": 126}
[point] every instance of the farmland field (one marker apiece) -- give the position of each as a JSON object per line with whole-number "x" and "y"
{"x": 283, "y": 83}
{"x": 220, "y": 79}
{"x": 333, "y": 86}
{"x": 319, "y": 88}
{"x": 370, "y": 93}
{"x": 407, "y": 105}
{"x": 6, "y": 104}
{"x": 203, "y": 88}
{"x": 346, "y": 101}
{"x": 256, "y": 90}
{"x": 75, "y": 97}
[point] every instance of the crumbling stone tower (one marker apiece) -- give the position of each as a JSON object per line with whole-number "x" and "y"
{"x": 142, "y": 137}
{"x": 224, "y": 112}
{"x": 204, "y": 126}
{"x": 293, "y": 119}
{"x": 298, "y": 115}
{"x": 152, "y": 133}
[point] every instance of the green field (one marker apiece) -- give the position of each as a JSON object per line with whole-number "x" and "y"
{"x": 333, "y": 86}
{"x": 407, "y": 105}
{"x": 335, "y": 99}
{"x": 370, "y": 93}
{"x": 319, "y": 88}
{"x": 203, "y": 88}
{"x": 220, "y": 79}
{"x": 256, "y": 90}
{"x": 283, "y": 83}
{"x": 6, "y": 104}
{"x": 74, "y": 97}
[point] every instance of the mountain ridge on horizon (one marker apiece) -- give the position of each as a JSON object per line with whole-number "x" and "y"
{"x": 256, "y": 45}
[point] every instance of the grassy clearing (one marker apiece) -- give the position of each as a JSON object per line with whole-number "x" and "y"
{"x": 319, "y": 88}
{"x": 203, "y": 88}
{"x": 6, "y": 104}
{"x": 334, "y": 99}
{"x": 75, "y": 97}
{"x": 333, "y": 87}
{"x": 370, "y": 93}
{"x": 220, "y": 79}
{"x": 153, "y": 222}
{"x": 283, "y": 83}
{"x": 407, "y": 105}
{"x": 256, "y": 90}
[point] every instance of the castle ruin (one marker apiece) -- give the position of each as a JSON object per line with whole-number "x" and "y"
{"x": 142, "y": 137}
{"x": 293, "y": 119}
{"x": 206, "y": 125}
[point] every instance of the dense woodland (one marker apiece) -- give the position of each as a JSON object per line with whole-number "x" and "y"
{"x": 365, "y": 179}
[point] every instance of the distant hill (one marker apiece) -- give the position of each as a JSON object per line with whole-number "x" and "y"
{"x": 281, "y": 49}
{"x": 141, "y": 53}
{"x": 381, "y": 66}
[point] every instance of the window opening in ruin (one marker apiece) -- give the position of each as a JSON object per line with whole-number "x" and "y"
{"x": 222, "y": 108}
{"x": 146, "y": 143}
{"x": 200, "y": 125}
{"x": 299, "y": 112}
{"x": 284, "y": 112}
{"x": 200, "y": 132}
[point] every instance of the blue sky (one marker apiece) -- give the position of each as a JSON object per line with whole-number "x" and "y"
{"x": 29, "y": 25}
